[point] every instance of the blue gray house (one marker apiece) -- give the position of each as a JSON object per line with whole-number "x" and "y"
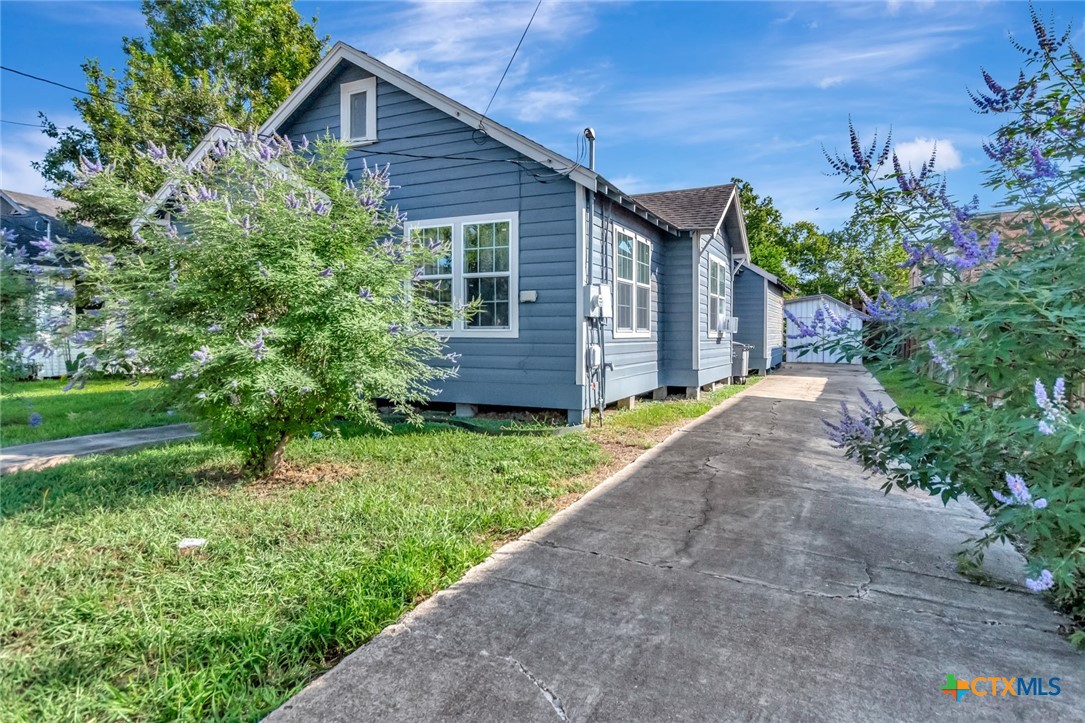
{"x": 589, "y": 294}
{"x": 759, "y": 303}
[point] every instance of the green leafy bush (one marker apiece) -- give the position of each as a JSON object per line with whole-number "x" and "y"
{"x": 999, "y": 319}
{"x": 274, "y": 296}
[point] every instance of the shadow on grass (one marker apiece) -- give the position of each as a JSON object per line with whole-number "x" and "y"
{"x": 117, "y": 481}
{"x": 110, "y": 481}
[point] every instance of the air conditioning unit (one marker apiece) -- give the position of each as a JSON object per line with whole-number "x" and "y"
{"x": 726, "y": 325}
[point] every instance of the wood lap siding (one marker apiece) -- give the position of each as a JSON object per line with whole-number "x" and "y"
{"x": 715, "y": 351}
{"x": 775, "y": 325}
{"x": 750, "y": 289}
{"x": 638, "y": 361}
{"x": 538, "y": 368}
{"x": 677, "y": 315}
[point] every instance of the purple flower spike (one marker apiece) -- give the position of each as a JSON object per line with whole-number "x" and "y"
{"x": 365, "y": 294}
{"x": 1040, "y": 504}
{"x": 1018, "y": 487}
{"x": 34, "y": 420}
{"x": 1044, "y": 582}
{"x": 215, "y": 328}
{"x": 90, "y": 167}
{"x": 1001, "y": 497}
{"x": 202, "y": 355}
{"x": 220, "y": 149}
{"x": 326, "y": 272}
{"x": 394, "y": 329}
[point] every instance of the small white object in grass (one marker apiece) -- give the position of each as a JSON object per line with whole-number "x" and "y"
{"x": 191, "y": 543}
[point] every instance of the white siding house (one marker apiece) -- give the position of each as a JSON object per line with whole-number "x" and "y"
{"x": 805, "y": 309}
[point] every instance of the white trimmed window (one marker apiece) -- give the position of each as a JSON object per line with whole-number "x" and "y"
{"x": 632, "y": 284}
{"x": 481, "y": 266}
{"x": 717, "y": 292}
{"x": 358, "y": 111}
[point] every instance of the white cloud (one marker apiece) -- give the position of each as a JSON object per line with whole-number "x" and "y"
{"x": 915, "y": 153}
{"x": 830, "y": 81}
{"x": 18, "y": 148}
{"x": 462, "y": 48}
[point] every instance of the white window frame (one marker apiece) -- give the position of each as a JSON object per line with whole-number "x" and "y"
{"x": 634, "y": 332}
{"x": 459, "y": 327}
{"x": 346, "y": 90}
{"x": 721, "y": 303}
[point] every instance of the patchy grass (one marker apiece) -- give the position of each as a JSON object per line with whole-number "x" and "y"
{"x": 102, "y": 618}
{"x": 923, "y": 400}
{"x": 105, "y": 405}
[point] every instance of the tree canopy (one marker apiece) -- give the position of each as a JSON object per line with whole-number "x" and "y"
{"x": 202, "y": 62}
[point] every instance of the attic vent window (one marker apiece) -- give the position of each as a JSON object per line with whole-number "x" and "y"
{"x": 358, "y": 111}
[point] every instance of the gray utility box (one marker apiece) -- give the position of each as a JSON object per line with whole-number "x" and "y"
{"x": 740, "y": 361}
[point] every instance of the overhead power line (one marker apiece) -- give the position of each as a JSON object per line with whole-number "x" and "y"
{"x": 514, "y": 52}
{"x": 469, "y": 160}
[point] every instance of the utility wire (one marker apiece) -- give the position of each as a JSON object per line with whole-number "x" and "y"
{"x": 403, "y": 154}
{"x": 514, "y": 52}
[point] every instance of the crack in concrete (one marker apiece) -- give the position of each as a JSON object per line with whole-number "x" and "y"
{"x": 551, "y": 698}
{"x": 864, "y": 587}
{"x": 705, "y": 514}
{"x": 861, "y": 594}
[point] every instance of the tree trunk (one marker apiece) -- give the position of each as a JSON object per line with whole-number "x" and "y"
{"x": 269, "y": 464}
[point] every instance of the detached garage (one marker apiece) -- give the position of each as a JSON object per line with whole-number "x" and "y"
{"x": 759, "y": 306}
{"x": 812, "y": 311}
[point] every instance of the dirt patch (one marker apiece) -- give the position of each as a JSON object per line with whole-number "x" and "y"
{"x": 290, "y": 476}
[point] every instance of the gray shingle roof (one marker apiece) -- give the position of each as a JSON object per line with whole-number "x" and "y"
{"x": 690, "y": 208}
{"x": 41, "y": 213}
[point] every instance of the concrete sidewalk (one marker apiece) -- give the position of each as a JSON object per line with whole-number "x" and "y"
{"x": 742, "y": 571}
{"x": 56, "y": 451}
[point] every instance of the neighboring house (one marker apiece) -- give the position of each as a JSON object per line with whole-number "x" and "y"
{"x": 32, "y": 218}
{"x": 816, "y": 311}
{"x": 548, "y": 245}
{"x": 759, "y": 306}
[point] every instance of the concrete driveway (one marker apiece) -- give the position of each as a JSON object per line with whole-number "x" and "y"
{"x": 742, "y": 571}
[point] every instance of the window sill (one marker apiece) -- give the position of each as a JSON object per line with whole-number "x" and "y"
{"x": 482, "y": 334}
{"x": 633, "y": 334}
{"x": 361, "y": 142}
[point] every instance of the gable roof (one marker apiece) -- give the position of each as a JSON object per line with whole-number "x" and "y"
{"x": 773, "y": 278}
{"x": 826, "y": 298}
{"x": 341, "y": 51}
{"x": 720, "y": 202}
{"x": 30, "y": 216}
{"x": 690, "y": 208}
{"x": 701, "y": 209}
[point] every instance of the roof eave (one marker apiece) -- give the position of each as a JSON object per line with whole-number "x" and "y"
{"x": 341, "y": 51}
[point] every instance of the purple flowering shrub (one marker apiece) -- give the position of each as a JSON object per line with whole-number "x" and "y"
{"x": 35, "y": 308}
{"x": 274, "y": 297}
{"x": 998, "y": 319}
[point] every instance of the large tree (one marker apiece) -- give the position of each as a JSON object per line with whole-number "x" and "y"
{"x": 202, "y": 62}
{"x": 766, "y": 232}
{"x": 858, "y": 256}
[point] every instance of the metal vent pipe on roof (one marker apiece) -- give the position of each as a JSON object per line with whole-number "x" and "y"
{"x": 589, "y": 133}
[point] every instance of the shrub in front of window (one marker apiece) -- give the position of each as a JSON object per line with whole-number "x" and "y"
{"x": 275, "y": 298}
{"x": 998, "y": 323}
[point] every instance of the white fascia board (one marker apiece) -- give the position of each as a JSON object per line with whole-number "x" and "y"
{"x": 341, "y": 51}
{"x": 17, "y": 208}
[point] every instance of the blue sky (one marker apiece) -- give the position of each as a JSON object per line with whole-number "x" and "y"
{"x": 680, "y": 94}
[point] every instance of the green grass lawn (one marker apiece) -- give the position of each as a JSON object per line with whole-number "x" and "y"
{"x": 101, "y": 617}
{"x": 103, "y": 406}
{"x": 918, "y": 397}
